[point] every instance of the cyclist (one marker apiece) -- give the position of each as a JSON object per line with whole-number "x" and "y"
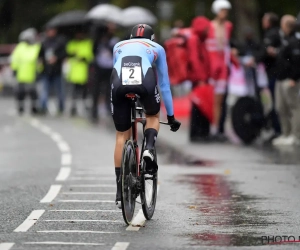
{"x": 134, "y": 72}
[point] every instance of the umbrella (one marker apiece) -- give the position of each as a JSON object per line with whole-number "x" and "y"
{"x": 106, "y": 13}
{"x": 247, "y": 118}
{"x": 135, "y": 15}
{"x": 69, "y": 18}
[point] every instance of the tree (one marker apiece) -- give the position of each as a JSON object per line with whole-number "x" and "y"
{"x": 245, "y": 14}
{"x": 16, "y": 15}
{"x": 19, "y": 15}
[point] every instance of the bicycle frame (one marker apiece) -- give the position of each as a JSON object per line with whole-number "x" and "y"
{"x": 134, "y": 121}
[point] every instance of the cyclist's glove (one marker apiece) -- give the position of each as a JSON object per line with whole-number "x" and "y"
{"x": 174, "y": 124}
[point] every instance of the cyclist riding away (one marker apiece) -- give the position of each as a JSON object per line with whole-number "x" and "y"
{"x": 134, "y": 73}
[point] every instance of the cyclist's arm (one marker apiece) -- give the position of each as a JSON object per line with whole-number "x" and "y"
{"x": 163, "y": 81}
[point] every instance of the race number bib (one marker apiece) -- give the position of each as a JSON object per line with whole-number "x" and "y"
{"x": 132, "y": 75}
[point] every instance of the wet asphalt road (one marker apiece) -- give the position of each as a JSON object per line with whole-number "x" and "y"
{"x": 57, "y": 190}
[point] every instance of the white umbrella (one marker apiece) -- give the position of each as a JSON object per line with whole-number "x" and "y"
{"x": 106, "y": 13}
{"x": 135, "y": 15}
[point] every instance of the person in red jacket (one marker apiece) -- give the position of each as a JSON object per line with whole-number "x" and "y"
{"x": 197, "y": 54}
{"x": 198, "y": 72}
{"x": 218, "y": 47}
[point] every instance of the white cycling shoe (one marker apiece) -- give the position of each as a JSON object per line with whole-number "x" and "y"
{"x": 149, "y": 158}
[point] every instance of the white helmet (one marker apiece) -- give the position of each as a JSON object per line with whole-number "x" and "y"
{"x": 218, "y": 5}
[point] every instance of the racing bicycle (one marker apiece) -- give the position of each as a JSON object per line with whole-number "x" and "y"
{"x": 135, "y": 181}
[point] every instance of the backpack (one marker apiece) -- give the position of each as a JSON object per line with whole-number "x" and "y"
{"x": 177, "y": 56}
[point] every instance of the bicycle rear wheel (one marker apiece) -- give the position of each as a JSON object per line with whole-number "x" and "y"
{"x": 128, "y": 179}
{"x": 148, "y": 192}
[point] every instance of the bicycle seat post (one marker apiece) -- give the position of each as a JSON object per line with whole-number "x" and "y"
{"x": 133, "y": 111}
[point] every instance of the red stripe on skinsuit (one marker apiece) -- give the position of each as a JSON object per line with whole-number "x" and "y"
{"x": 147, "y": 45}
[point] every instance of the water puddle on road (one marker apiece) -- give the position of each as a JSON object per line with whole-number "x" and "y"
{"x": 175, "y": 156}
{"x": 222, "y": 216}
{"x": 281, "y": 155}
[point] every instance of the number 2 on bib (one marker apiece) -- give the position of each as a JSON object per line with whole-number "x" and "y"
{"x": 132, "y": 75}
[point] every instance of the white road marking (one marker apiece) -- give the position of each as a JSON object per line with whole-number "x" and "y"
{"x": 63, "y": 243}
{"x": 63, "y": 147}
{"x": 92, "y": 179}
{"x": 137, "y": 222}
{"x": 110, "y": 221}
{"x": 63, "y": 174}
{"x": 76, "y": 231}
{"x": 87, "y": 211}
{"x": 56, "y": 137}
{"x": 66, "y": 159}
{"x": 52, "y": 193}
{"x": 6, "y": 246}
{"x": 45, "y": 129}
{"x": 84, "y": 193}
{"x": 86, "y": 201}
{"x": 93, "y": 185}
{"x": 30, "y": 221}
{"x": 34, "y": 123}
{"x": 120, "y": 246}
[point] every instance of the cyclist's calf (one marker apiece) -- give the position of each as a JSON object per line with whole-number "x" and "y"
{"x": 152, "y": 121}
{"x": 121, "y": 138}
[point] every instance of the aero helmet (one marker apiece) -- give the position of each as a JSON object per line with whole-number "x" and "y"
{"x": 142, "y": 31}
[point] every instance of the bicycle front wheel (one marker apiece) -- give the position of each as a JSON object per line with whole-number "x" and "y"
{"x": 128, "y": 181}
{"x": 149, "y": 192}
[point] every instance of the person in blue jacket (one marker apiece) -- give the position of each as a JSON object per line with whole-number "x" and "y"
{"x": 134, "y": 72}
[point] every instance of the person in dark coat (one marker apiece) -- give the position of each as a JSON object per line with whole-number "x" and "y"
{"x": 268, "y": 55}
{"x": 288, "y": 86}
{"x": 52, "y": 55}
{"x": 103, "y": 65}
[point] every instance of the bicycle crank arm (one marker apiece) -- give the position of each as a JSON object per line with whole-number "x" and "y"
{"x": 164, "y": 123}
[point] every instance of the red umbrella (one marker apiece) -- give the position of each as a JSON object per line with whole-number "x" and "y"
{"x": 203, "y": 97}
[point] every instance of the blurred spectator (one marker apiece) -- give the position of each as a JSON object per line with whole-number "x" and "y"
{"x": 198, "y": 62}
{"x": 103, "y": 51}
{"x": 250, "y": 47}
{"x": 178, "y": 24}
{"x": 24, "y": 63}
{"x": 271, "y": 44}
{"x": 197, "y": 53}
{"x": 80, "y": 54}
{"x": 254, "y": 71}
{"x": 286, "y": 31}
{"x": 177, "y": 58}
{"x": 218, "y": 48}
{"x": 287, "y": 86}
{"x": 52, "y": 54}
